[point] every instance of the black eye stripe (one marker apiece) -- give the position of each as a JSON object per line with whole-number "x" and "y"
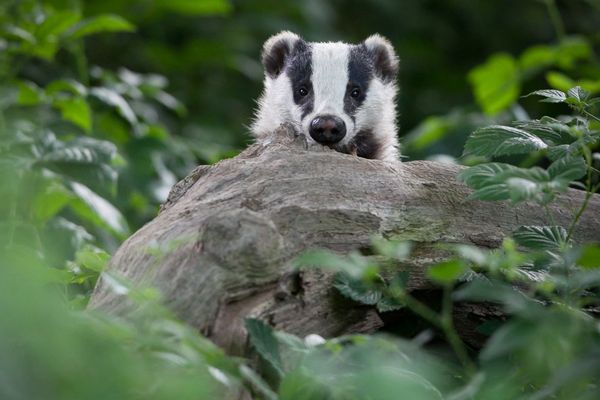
{"x": 360, "y": 73}
{"x": 299, "y": 70}
{"x": 366, "y": 145}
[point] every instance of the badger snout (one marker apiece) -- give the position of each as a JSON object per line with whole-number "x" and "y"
{"x": 327, "y": 129}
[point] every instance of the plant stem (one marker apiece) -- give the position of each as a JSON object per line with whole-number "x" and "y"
{"x": 589, "y": 114}
{"x": 421, "y": 310}
{"x": 550, "y": 216}
{"x": 557, "y": 22}
{"x": 444, "y": 323}
{"x": 81, "y": 62}
{"x": 586, "y": 200}
{"x": 450, "y": 331}
{"x": 77, "y": 49}
{"x": 588, "y": 193}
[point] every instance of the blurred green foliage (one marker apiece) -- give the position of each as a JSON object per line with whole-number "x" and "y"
{"x": 49, "y": 352}
{"x": 210, "y": 54}
{"x": 547, "y": 283}
{"x": 105, "y": 104}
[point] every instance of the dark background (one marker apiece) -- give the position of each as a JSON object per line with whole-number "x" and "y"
{"x": 185, "y": 75}
{"x": 213, "y": 64}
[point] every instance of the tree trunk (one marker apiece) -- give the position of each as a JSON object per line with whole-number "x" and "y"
{"x": 220, "y": 249}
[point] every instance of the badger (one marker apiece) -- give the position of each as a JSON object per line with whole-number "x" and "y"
{"x": 337, "y": 94}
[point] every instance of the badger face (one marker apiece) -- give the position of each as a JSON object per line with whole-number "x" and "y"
{"x": 336, "y": 94}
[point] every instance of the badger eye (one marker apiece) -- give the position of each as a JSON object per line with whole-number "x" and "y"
{"x": 303, "y": 91}
{"x": 355, "y": 92}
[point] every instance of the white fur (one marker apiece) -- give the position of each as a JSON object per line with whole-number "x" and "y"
{"x": 329, "y": 79}
{"x": 275, "y": 107}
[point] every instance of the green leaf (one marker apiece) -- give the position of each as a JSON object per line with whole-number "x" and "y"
{"x": 521, "y": 189}
{"x": 590, "y": 257}
{"x": 59, "y": 228}
{"x": 303, "y": 384}
{"x": 257, "y": 383}
{"x": 550, "y": 130}
{"x": 496, "y": 84}
{"x": 564, "y": 150}
{"x": 98, "y": 210}
{"x": 427, "y": 132}
{"x": 45, "y": 50}
{"x": 497, "y": 181}
{"x": 483, "y": 175}
{"x": 446, "y": 272}
{"x": 92, "y": 258}
{"x": 264, "y": 341}
{"x": 66, "y": 86}
{"x": 507, "y": 340}
{"x": 56, "y": 24}
{"x": 568, "y": 169}
{"x": 15, "y": 32}
{"x": 114, "y": 99}
{"x": 75, "y": 110}
{"x": 536, "y": 57}
{"x": 356, "y": 289}
{"x": 32, "y": 265}
{"x": 51, "y": 198}
{"x": 100, "y": 23}
{"x": 578, "y": 94}
{"x": 550, "y": 95}
{"x": 572, "y": 49}
{"x": 541, "y": 237}
{"x": 29, "y": 93}
{"x": 82, "y": 150}
{"x": 170, "y": 102}
{"x": 494, "y": 192}
{"x": 399, "y": 282}
{"x": 83, "y": 159}
{"x": 195, "y": 7}
{"x": 559, "y": 81}
{"x": 496, "y": 140}
{"x": 387, "y": 304}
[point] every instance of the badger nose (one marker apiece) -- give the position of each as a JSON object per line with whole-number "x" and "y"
{"x": 327, "y": 129}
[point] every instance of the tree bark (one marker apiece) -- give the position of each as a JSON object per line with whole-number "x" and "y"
{"x": 220, "y": 249}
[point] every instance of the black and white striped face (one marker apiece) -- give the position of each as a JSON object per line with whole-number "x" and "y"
{"x": 337, "y": 94}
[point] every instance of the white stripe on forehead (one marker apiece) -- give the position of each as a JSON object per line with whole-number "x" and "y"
{"x": 329, "y": 76}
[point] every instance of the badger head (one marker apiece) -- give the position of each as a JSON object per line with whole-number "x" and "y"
{"x": 337, "y": 94}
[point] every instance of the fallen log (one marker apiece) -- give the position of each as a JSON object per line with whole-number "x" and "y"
{"x": 221, "y": 246}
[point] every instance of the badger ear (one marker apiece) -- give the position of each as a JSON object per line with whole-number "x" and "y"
{"x": 276, "y": 50}
{"x": 383, "y": 56}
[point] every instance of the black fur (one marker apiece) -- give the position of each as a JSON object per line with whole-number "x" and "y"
{"x": 360, "y": 73}
{"x": 274, "y": 59}
{"x": 299, "y": 70}
{"x": 385, "y": 67}
{"x": 366, "y": 145}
